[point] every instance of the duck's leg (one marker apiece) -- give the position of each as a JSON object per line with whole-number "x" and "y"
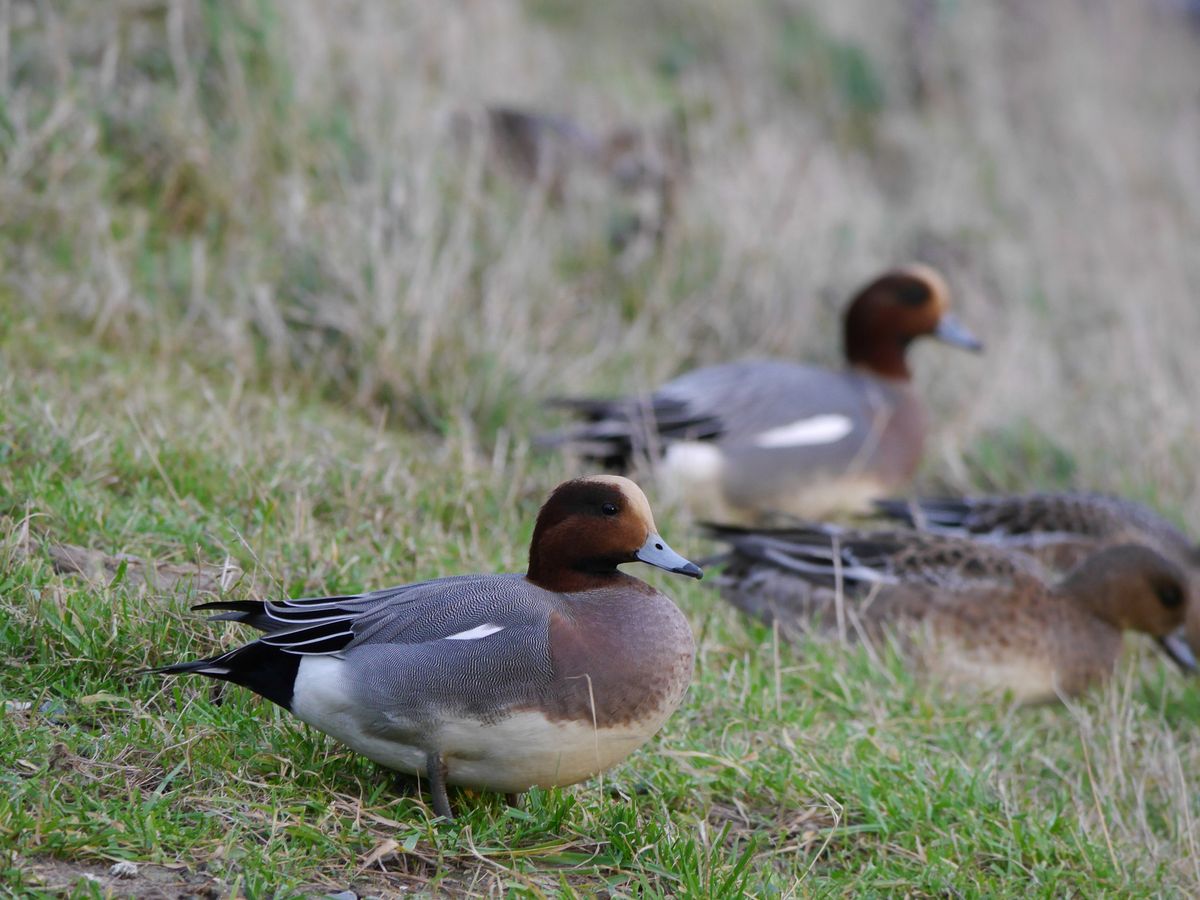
{"x": 513, "y": 799}
{"x": 437, "y": 785}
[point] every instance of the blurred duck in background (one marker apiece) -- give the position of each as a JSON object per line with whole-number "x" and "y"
{"x": 1059, "y": 530}
{"x": 644, "y": 165}
{"x": 743, "y": 440}
{"x": 973, "y": 614}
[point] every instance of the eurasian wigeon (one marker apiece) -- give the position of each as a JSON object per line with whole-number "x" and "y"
{"x": 973, "y": 613}
{"x": 545, "y": 150}
{"x": 500, "y": 682}
{"x": 742, "y": 440}
{"x": 1059, "y": 529}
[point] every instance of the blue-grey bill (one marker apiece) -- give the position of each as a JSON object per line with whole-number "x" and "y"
{"x": 657, "y": 552}
{"x": 953, "y": 331}
{"x": 1177, "y": 648}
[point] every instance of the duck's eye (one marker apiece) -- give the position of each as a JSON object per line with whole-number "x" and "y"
{"x": 1170, "y": 596}
{"x": 913, "y": 293}
{"x": 609, "y": 509}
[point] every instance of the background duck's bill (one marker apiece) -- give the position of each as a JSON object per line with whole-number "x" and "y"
{"x": 951, "y": 330}
{"x": 1177, "y": 648}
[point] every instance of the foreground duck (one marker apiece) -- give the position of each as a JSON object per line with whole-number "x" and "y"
{"x": 750, "y": 438}
{"x": 500, "y": 682}
{"x": 975, "y": 614}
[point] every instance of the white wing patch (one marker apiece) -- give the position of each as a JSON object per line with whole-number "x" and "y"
{"x": 474, "y": 634}
{"x": 823, "y": 429}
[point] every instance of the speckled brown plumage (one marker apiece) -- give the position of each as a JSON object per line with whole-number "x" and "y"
{"x": 1059, "y": 530}
{"x": 977, "y": 613}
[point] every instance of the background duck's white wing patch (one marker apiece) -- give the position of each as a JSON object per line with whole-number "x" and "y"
{"x": 824, "y": 429}
{"x": 474, "y": 634}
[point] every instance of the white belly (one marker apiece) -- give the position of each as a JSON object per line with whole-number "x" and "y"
{"x": 511, "y": 755}
{"x": 692, "y": 474}
{"x": 834, "y": 496}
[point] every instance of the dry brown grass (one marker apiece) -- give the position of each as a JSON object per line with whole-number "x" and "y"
{"x": 319, "y": 225}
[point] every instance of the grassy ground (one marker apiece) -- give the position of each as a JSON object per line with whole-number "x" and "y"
{"x": 256, "y": 313}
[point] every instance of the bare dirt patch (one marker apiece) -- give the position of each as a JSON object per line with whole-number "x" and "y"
{"x": 143, "y": 881}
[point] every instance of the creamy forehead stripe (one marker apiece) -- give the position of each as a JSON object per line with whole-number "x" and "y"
{"x": 474, "y": 634}
{"x": 637, "y": 500}
{"x": 824, "y": 429}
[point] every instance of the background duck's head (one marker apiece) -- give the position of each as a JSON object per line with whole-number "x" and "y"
{"x": 895, "y": 309}
{"x": 1136, "y": 589}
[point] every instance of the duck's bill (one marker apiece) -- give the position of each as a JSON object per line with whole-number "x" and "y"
{"x": 657, "y": 552}
{"x": 952, "y": 331}
{"x": 1177, "y": 648}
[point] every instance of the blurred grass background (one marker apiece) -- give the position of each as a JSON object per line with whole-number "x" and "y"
{"x": 255, "y": 304}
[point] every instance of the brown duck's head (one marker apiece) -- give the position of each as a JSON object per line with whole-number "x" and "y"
{"x": 591, "y": 525}
{"x": 895, "y": 309}
{"x": 1137, "y": 589}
